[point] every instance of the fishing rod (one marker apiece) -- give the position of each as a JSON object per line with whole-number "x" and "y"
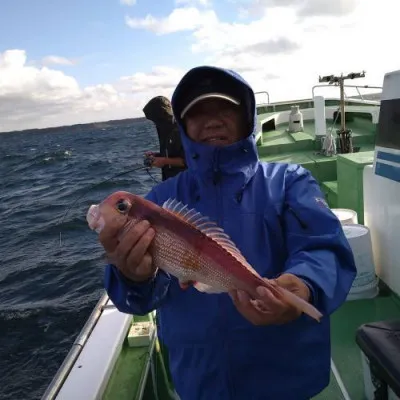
{"x": 137, "y": 168}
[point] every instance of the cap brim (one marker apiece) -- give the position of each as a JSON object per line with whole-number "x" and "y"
{"x": 209, "y": 96}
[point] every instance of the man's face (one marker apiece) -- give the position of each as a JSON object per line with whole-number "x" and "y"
{"x": 216, "y": 122}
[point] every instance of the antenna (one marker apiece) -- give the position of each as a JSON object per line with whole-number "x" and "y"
{"x": 346, "y": 145}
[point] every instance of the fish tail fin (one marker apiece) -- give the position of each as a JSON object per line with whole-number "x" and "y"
{"x": 301, "y": 304}
{"x": 296, "y": 301}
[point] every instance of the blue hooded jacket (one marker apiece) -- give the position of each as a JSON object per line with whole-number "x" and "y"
{"x": 277, "y": 216}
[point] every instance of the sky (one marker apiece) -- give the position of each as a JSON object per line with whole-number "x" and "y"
{"x": 67, "y": 62}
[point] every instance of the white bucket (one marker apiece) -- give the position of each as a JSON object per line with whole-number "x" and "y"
{"x": 365, "y": 284}
{"x": 346, "y": 216}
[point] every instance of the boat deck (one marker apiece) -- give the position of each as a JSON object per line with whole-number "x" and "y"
{"x": 276, "y": 142}
{"x": 340, "y": 176}
{"x": 345, "y": 352}
{"x": 135, "y": 371}
{"x": 132, "y": 380}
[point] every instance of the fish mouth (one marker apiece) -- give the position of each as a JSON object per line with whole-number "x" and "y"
{"x": 94, "y": 218}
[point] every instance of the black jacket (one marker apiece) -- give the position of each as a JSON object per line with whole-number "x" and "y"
{"x": 159, "y": 111}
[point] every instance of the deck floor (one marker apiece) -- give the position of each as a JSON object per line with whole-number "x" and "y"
{"x": 126, "y": 378}
{"x": 279, "y": 145}
{"x": 301, "y": 148}
{"x": 345, "y": 352}
{"x": 359, "y": 127}
{"x": 332, "y": 392}
{"x": 127, "y": 375}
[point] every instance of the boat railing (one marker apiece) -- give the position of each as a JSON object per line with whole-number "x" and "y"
{"x": 357, "y": 87}
{"x": 262, "y": 92}
{"x": 69, "y": 361}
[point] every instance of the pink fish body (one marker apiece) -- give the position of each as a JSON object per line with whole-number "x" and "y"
{"x": 189, "y": 246}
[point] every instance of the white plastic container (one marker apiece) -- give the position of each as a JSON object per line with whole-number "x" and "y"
{"x": 365, "y": 285}
{"x": 296, "y": 123}
{"x": 140, "y": 334}
{"x": 319, "y": 116}
{"x": 346, "y": 216}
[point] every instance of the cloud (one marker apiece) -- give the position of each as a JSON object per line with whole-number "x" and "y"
{"x": 284, "y": 52}
{"x": 280, "y": 45}
{"x": 335, "y": 8}
{"x": 280, "y": 52}
{"x": 57, "y": 60}
{"x": 128, "y": 2}
{"x": 243, "y": 47}
{"x": 304, "y": 8}
{"x": 180, "y": 19}
{"x": 16, "y": 78}
{"x": 160, "y": 79}
{"x": 32, "y": 97}
{"x": 250, "y": 47}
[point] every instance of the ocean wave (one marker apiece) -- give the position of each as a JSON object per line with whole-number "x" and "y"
{"x": 46, "y": 186}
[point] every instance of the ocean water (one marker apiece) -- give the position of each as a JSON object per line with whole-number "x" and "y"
{"x": 48, "y": 290}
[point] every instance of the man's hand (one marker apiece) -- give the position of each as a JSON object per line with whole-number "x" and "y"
{"x": 129, "y": 253}
{"x": 159, "y": 162}
{"x": 268, "y": 309}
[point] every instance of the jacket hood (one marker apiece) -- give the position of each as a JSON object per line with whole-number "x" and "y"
{"x": 216, "y": 162}
{"x": 159, "y": 110}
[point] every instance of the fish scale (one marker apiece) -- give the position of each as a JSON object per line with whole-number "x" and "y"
{"x": 186, "y": 263}
{"x": 190, "y": 247}
{"x": 174, "y": 256}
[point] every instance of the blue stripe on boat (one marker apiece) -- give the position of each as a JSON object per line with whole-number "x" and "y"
{"x": 388, "y": 171}
{"x": 383, "y": 155}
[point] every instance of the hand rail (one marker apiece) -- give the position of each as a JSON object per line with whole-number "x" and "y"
{"x": 69, "y": 361}
{"x": 265, "y": 92}
{"x": 353, "y": 86}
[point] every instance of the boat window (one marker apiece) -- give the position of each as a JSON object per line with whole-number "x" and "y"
{"x": 388, "y": 132}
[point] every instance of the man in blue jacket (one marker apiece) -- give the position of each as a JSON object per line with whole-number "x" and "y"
{"x": 225, "y": 346}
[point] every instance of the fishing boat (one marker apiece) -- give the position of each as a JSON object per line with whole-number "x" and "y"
{"x": 352, "y": 147}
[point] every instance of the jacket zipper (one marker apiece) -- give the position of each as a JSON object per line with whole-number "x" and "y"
{"x": 220, "y": 218}
{"x": 217, "y": 185}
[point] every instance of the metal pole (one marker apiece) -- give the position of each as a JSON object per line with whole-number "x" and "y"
{"x": 343, "y": 133}
{"x": 342, "y": 105}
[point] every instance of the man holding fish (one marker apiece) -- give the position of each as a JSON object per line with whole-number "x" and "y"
{"x": 242, "y": 259}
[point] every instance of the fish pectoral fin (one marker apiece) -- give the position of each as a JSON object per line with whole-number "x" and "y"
{"x": 202, "y": 287}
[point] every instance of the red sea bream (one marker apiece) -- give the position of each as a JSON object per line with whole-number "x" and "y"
{"x": 189, "y": 246}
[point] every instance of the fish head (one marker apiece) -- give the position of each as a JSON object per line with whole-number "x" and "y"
{"x": 114, "y": 212}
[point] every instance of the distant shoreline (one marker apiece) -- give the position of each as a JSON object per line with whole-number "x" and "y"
{"x": 80, "y": 127}
{"x": 129, "y": 121}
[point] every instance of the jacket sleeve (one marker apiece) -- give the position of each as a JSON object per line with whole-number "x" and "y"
{"x": 318, "y": 250}
{"x": 136, "y": 298}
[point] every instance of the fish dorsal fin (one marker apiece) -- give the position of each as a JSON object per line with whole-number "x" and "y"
{"x": 207, "y": 227}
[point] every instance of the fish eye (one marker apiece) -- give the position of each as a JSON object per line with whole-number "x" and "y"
{"x": 123, "y": 205}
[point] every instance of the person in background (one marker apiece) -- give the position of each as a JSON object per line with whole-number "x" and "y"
{"x": 171, "y": 158}
{"x": 225, "y": 346}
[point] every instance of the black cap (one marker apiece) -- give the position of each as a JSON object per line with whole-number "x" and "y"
{"x": 203, "y": 83}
